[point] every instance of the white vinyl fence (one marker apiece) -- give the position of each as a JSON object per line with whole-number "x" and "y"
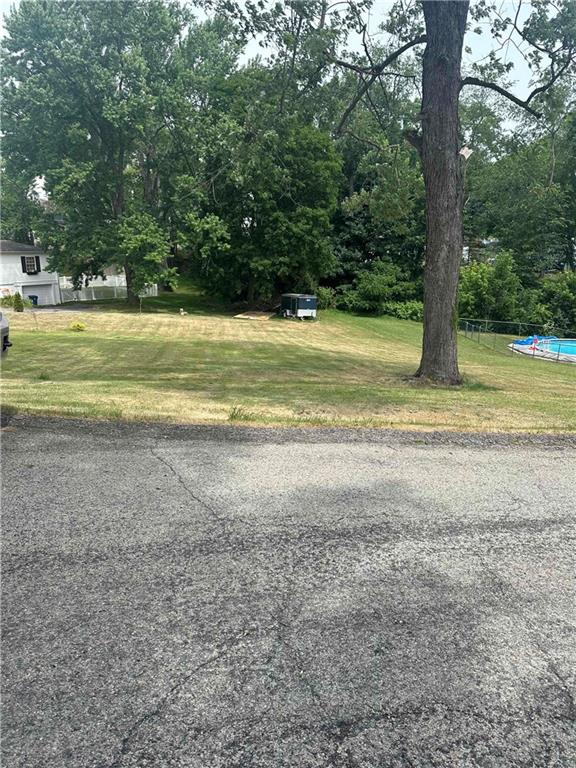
{"x": 99, "y": 292}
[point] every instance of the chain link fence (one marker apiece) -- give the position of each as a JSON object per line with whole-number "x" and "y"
{"x": 498, "y": 335}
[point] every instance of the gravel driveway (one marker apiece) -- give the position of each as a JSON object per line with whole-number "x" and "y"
{"x": 214, "y": 597}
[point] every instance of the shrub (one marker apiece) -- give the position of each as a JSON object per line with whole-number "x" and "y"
{"x": 404, "y": 310}
{"x": 17, "y": 303}
{"x": 347, "y": 299}
{"x": 383, "y": 283}
{"x": 532, "y": 309}
{"x": 559, "y": 295}
{"x": 8, "y": 301}
{"x": 326, "y": 298}
{"x": 383, "y": 290}
{"x": 474, "y": 290}
{"x": 505, "y": 288}
{"x": 77, "y": 326}
{"x": 490, "y": 290}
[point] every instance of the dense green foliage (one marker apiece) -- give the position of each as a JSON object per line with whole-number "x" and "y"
{"x": 559, "y": 299}
{"x": 275, "y": 206}
{"x": 490, "y": 290}
{"x": 493, "y": 290}
{"x": 164, "y": 152}
{"x": 14, "y": 301}
{"x": 526, "y": 201}
{"x": 17, "y": 302}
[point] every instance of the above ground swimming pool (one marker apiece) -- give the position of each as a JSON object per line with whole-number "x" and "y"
{"x": 559, "y": 346}
{"x": 547, "y": 347}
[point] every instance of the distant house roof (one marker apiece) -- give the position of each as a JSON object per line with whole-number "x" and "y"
{"x": 10, "y": 246}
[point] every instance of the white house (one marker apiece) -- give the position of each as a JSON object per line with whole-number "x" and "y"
{"x": 23, "y": 270}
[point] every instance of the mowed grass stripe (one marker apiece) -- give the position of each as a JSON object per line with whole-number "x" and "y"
{"x": 343, "y": 370}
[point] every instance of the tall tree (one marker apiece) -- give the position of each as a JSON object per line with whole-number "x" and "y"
{"x": 84, "y": 108}
{"x": 273, "y": 187}
{"x": 518, "y": 201}
{"x": 442, "y": 165}
{"x": 552, "y": 41}
{"x": 549, "y": 35}
{"x": 20, "y": 207}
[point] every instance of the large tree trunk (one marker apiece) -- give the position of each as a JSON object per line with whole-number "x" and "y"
{"x": 443, "y": 178}
{"x": 131, "y": 295}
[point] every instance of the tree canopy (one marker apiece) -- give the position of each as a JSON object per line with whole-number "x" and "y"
{"x": 164, "y": 149}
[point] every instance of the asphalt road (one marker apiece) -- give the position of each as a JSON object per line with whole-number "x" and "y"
{"x": 215, "y": 597}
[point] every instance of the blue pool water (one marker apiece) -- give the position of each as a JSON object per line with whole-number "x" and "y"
{"x": 560, "y": 346}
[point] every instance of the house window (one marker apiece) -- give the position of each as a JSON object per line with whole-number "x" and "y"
{"x": 31, "y": 265}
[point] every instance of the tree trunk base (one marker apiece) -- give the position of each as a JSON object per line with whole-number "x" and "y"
{"x": 445, "y": 380}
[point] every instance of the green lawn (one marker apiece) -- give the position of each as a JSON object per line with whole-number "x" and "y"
{"x": 209, "y": 367}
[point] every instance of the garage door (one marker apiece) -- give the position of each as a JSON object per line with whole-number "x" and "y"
{"x": 44, "y": 293}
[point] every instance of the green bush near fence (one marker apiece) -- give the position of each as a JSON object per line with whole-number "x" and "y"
{"x": 15, "y": 302}
{"x": 404, "y": 310}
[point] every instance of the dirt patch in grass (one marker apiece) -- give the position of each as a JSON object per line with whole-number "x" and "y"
{"x": 254, "y": 316}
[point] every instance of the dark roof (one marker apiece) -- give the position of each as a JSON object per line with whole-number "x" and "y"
{"x": 9, "y": 246}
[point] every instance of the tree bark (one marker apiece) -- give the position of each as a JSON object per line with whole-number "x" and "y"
{"x": 131, "y": 296}
{"x": 443, "y": 179}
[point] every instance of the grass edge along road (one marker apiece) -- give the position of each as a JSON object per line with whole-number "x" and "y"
{"x": 207, "y": 367}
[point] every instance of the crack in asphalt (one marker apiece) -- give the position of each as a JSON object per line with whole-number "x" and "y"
{"x": 132, "y": 732}
{"x": 563, "y": 682}
{"x": 355, "y": 725}
{"x": 222, "y": 521}
{"x": 243, "y": 626}
{"x": 163, "y": 702}
{"x": 337, "y": 730}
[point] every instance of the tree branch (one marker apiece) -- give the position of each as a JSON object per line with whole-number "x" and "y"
{"x": 526, "y": 39}
{"x": 377, "y": 69}
{"x": 415, "y": 139}
{"x": 352, "y": 106}
{"x": 374, "y": 72}
{"x": 502, "y": 91}
{"x": 525, "y": 104}
{"x": 370, "y": 143}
